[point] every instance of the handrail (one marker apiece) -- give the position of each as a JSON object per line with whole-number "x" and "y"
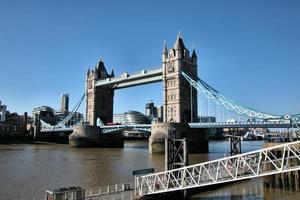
{"x": 253, "y": 164}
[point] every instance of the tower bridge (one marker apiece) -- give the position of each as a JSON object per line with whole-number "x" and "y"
{"x": 178, "y": 96}
{"x": 182, "y": 88}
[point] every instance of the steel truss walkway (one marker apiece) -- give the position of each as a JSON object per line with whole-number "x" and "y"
{"x": 268, "y": 161}
{"x": 128, "y": 80}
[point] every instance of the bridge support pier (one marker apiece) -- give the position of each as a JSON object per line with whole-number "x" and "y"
{"x": 197, "y": 139}
{"x": 36, "y": 130}
{"x": 91, "y": 136}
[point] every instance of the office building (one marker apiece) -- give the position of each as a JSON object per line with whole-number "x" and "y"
{"x": 64, "y": 104}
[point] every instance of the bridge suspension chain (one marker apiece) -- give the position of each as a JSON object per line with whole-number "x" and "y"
{"x": 212, "y": 94}
{"x": 65, "y": 120}
{"x": 71, "y": 114}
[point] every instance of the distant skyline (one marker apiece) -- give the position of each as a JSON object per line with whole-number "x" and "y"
{"x": 247, "y": 50}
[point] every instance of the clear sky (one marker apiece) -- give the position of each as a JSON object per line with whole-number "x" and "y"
{"x": 248, "y": 50}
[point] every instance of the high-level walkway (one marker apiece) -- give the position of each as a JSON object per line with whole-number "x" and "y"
{"x": 128, "y": 80}
{"x": 273, "y": 160}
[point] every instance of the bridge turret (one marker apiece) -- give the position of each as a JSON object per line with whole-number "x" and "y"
{"x": 179, "y": 47}
{"x": 165, "y": 52}
{"x": 101, "y": 70}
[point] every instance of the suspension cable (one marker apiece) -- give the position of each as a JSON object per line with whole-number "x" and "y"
{"x": 219, "y": 99}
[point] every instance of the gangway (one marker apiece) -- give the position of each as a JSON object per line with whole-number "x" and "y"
{"x": 273, "y": 160}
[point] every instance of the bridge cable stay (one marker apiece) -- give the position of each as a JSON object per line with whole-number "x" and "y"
{"x": 62, "y": 123}
{"x": 212, "y": 94}
{"x": 253, "y": 164}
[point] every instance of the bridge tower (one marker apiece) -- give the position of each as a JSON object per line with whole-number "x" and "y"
{"x": 179, "y": 99}
{"x": 99, "y": 100}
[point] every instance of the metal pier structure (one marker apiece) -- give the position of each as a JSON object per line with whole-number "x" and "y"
{"x": 253, "y": 164}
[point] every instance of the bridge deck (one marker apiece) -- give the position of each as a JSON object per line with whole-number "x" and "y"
{"x": 147, "y": 127}
{"x": 258, "y": 124}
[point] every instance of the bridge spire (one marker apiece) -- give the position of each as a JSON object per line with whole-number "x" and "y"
{"x": 112, "y": 74}
{"x": 165, "y": 52}
{"x": 179, "y": 35}
{"x": 179, "y": 42}
{"x": 165, "y": 49}
{"x": 194, "y": 55}
{"x": 100, "y": 69}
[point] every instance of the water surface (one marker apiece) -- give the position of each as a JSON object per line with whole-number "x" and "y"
{"x": 28, "y": 170}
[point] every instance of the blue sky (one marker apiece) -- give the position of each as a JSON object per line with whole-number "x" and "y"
{"x": 248, "y": 50}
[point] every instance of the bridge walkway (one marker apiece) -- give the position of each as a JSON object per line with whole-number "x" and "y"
{"x": 267, "y": 161}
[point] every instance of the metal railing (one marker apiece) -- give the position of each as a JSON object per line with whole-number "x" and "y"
{"x": 253, "y": 164}
{"x": 108, "y": 129}
{"x": 116, "y": 191}
{"x": 267, "y": 124}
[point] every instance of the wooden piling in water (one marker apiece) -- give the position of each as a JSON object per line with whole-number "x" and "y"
{"x": 285, "y": 181}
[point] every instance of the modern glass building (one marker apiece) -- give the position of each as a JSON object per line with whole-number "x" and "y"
{"x": 131, "y": 117}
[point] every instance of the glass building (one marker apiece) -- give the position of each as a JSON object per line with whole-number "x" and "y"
{"x": 131, "y": 117}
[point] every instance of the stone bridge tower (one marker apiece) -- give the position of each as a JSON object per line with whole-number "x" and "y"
{"x": 99, "y": 100}
{"x": 178, "y": 103}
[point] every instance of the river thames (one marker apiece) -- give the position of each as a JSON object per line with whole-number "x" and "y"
{"x": 28, "y": 170}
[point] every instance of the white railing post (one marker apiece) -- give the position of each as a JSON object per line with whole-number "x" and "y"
{"x": 283, "y": 158}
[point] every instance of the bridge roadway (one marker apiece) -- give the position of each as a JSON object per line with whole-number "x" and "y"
{"x": 147, "y": 127}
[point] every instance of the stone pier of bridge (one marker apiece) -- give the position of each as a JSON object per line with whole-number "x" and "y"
{"x": 197, "y": 138}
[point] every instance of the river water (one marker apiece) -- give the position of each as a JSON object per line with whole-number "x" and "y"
{"x": 28, "y": 170}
